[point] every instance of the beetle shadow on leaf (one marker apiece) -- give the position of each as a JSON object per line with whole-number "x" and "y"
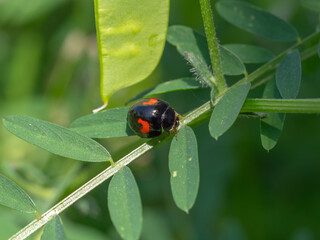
{"x": 129, "y": 131}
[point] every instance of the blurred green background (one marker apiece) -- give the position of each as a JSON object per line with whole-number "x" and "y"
{"x": 49, "y": 70}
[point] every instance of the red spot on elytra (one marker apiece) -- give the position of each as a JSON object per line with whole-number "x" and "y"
{"x": 151, "y": 101}
{"x": 145, "y": 126}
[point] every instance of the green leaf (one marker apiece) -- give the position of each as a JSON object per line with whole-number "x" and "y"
{"x": 313, "y": 5}
{"x": 271, "y": 126}
{"x": 56, "y": 139}
{"x": 250, "y": 53}
{"x": 124, "y": 204}
{"x": 174, "y": 85}
{"x": 180, "y": 84}
{"x": 53, "y": 230}
{"x": 131, "y": 37}
{"x": 231, "y": 64}
{"x": 256, "y": 21}
{"x": 188, "y": 40}
{"x": 184, "y": 168}
{"x": 227, "y": 110}
{"x": 288, "y": 75}
{"x": 106, "y": 124}
{"x": 11, "y": 195}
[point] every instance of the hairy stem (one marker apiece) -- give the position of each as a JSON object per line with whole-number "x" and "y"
{"x": 213, "y": 44}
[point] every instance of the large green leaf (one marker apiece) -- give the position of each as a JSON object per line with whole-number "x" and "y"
{"x": 56, "y": 139}
{"x": 256, "y": 21}
{"x": 227, "y": 110}
{"x": 250, "y": 53}
{"x": 11, "y": 195}
{"x": 188, "y": 40}
{"x": 184, "y": 168}
{"x": 107, "y": 124}
{"x": 53, "y": 230}
{"x": 124, "y": 204}
{"x": 271, "y": 126}
{"x": 131, "y": 36}
{"x": 288, "y": 75}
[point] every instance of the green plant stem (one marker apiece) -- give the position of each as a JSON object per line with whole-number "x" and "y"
{"x": 269, "y": 68}
{"x": 282, "y": 105}
{"x": 213, "y": 44}
{"x": 195, "y": 117}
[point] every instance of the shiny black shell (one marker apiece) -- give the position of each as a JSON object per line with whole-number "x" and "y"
{"x": 149, "y": 117}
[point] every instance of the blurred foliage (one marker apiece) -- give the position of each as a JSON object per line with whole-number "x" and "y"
{"x": 49, "y": 70}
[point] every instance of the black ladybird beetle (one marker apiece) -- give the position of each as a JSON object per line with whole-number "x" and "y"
{"x": 149, "y": 117}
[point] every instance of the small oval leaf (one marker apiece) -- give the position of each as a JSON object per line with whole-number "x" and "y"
{"x": 56, "y": 139}
{"x": 11, "y": 195}
{"x": 124, "y": 204}
{"x": 180, "y": 84}
{"x": 231, "y": 64}
{"x": 131, "y": 37}
{"x": 188, "y": 40}
{"x": 184, "y": 168}
{"x": 256, "y": 21}
{"x": 106, "y": 124}
{"x": 288, "y": 75}
{"x": 227, "y": 110}
{"x": 53, "y": 230}
{"x": 271, "y": 126}
{"x": 250, "y": 53}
